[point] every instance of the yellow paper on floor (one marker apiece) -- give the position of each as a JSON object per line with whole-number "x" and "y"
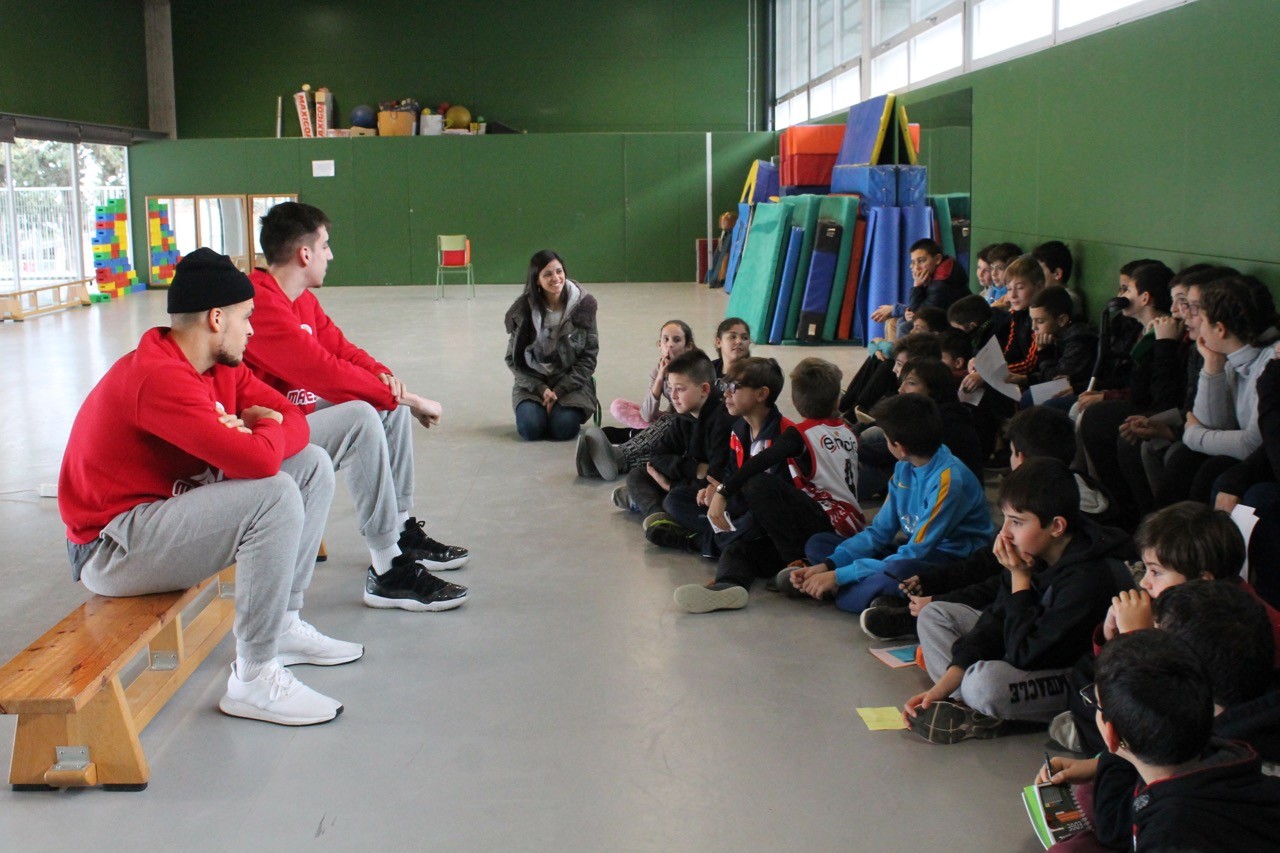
{"x": 882, "y": 719}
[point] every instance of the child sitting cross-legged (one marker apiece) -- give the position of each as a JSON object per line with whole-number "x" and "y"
{"x": 1010, "y": 660}
{"x": 1167, "y": 780}
{"x": 776, "y": 515}
{"x": 933, "y": 499}
{"x": 691, "y": 386}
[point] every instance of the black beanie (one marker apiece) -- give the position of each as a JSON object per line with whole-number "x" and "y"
{"x": 203, "y": 280}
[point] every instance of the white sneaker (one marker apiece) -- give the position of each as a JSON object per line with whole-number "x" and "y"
{"x": 304, "y": 644}
{"x": 275, "y": 696}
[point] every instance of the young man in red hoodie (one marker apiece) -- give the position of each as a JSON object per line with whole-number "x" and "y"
{"x": 359, "y": 411}
{"x": 181, "y": 462}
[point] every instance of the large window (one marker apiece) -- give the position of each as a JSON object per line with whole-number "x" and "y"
{"x": 48, "y": 192}
{"x": 831, "y": 54}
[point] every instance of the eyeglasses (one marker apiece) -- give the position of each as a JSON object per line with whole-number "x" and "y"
{"x": 1191, "y": 309}
{"x": 1089, "y": 695}
{"x": 728, "y": 386}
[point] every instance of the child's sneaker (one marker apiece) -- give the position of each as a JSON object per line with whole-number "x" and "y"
{"x": 887, "y": 623}
{"x": 946, "y": 722}
{"x": 432, "y": 554}
{"x": 603, "y": 454}
{"x": 695, "y": 598}
{"x": 582, "y": 459}
{"x": 622, "y": 499}
{"x": 653, "y": 518}
{"x": 1063, "y": 732}
{"x": 302, "y": 643}
{"x": 408, "y": 586}
{"x": 668, "y": 533}
{"x": 275, "y": 696}
{"x": 782, "y": 581}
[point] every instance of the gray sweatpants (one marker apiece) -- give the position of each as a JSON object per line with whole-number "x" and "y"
{"x": 990, "y": 686}
{"x": 375, "y": 449}
{"x": 270, "y": 528}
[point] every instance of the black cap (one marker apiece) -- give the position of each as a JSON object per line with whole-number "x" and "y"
{"x": 203, "y": 280}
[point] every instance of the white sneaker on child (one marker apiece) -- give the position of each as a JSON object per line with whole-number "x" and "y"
{"x": 275, "y": 696}
{"x": 302, "y": 643}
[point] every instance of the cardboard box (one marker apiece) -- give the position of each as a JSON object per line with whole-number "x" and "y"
{"x": 324, "y": 112}
{"x": 364, "y": 131}
{"x": 302, "y": 101}
{"x": 396, "y": 123}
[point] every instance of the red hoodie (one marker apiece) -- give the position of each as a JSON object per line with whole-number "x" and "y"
{"x": 149, "y": 430}
{"x": 300, "y": 352}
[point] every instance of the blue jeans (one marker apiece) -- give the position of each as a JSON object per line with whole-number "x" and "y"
{"x": 534, "y": 424}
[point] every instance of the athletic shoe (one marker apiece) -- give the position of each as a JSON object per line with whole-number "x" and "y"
{"x": 669, "y": 534}
{"x": 304, "y": 644}
{"x": 695, "y": 598}
{"x": 946, "y": 722}
{"x": 782, "y": 582}
{"x": 653, "y": 518}
{"x": 603, "y": 454}
{"x": 408, "y": 586}
{"x": 1063, "y": 732}
{"x": 275, "y": 696}
{"x": 888, "y": 601}
{"x": 887, "y": 623}
{"x": 582, "y": 459}
{"x": 427, "y": 551}
{"x": 622, "y": 499}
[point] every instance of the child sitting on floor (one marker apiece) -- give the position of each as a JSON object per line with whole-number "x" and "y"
{"x": 933, "y": 499}
{"x": 1010, "y": 661}
{"x": 674, "y": 338}
{"x": 821, "y": 453}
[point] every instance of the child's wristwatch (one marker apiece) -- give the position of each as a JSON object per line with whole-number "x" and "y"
{"x": 720, "y": 488}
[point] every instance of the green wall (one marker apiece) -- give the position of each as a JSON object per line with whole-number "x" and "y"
{"x": 1154, "y": 139}
{"x": 74, "y": 61}
{"x": 618, "y": 206}
{"x": 641, "y": 65}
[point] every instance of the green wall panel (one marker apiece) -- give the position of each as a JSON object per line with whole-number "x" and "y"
{"x": 647, "y": 65}
{"x": 618, "y": 207}
{"x": 74, "y": 61}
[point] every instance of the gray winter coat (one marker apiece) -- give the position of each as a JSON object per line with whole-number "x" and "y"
{"x": 575, "y": 355}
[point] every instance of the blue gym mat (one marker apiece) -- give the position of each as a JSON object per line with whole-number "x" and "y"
{"x": 877, "y": 185}
{"x": 911, "y": 186}
{"x": 788, "y": 283}
{"x": 736, "y": 244}
{"x": 817, "y": 288}
{"x": 865, "y": 132}
{"x": 845, "y": 211}
{"x": 804, "y": 212}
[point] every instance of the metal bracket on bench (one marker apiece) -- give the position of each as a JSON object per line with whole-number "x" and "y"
{"x": 163, "y": 661}
{"x": 226, "y": 590}
{"x": 71, "y": 758}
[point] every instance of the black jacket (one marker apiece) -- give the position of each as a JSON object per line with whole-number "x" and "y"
{"x": 1072, "y": 355}
{"x": 672, "y": 454}
{"x": 1051, "y": 625}
{"x": 941, "y": 292}
{"x": 709, "y": 442}
{"x": 961, "y": 436}
{"x": 1222, "y": 802}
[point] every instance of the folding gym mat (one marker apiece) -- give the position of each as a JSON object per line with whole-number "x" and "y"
{"x": 843, "y": 209}
{"x": 788, "y": 283}
{"x": 822, "y": 273}
{"x": 804, "y": 212}
{"x": 864, "y": 132}
{"x": 844, "y": 328}
{"x": 736, "y": 246}
{"x": 882, "y": 273}
{"x": 755, "y": 286}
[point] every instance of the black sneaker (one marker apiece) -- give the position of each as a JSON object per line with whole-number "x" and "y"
{"x": 408, "y": 586}
{"x": 888, "y": 601}
{"x": 946, "y": 722}
{"x": 432, "y": 554}
{"x": 669, "y": 534}
{"x": 887, "y": 623}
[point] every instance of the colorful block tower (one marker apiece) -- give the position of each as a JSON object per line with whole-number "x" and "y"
{"x": 164, "y": 247}
{"x": 114, "y": 273}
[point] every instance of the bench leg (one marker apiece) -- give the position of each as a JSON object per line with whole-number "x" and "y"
{"x": 105, "y": 726}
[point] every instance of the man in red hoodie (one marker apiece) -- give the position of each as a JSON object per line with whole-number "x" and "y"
{"x": 359, "y": 411}
{"x": 180, "y": 462}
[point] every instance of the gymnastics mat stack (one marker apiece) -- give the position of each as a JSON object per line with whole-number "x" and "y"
{"x": 804, "y": 212}
{"x": 825, "y": 292}
{"x": 759, "y": 272}
{"x": 808, "y": 154}
{"x": 886, "y": 275}
{"x": 762, "y": 183}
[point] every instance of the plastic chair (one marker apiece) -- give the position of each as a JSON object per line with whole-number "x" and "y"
{"x": 453, "y": 254}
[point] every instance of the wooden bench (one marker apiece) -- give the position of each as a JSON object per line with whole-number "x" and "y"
{"x": 78, "y": 722}
{"x": 22, "y": 304}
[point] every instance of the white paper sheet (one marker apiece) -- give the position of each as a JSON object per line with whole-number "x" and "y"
{"x": 991, "y": 366}
{"x": 1246, "y": 519}
{"x": 1048, "y": 390}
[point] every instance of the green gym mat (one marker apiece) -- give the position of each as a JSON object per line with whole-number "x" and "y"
{"x": 843, "y": 209}
{"x": 804, "y": 213}
{"x": 755, "y": 287}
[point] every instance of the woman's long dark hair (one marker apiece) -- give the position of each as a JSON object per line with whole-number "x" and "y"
{"x": 536, "y": 264}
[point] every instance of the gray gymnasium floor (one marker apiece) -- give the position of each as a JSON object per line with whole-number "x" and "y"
{"x": 566, "y": 706}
